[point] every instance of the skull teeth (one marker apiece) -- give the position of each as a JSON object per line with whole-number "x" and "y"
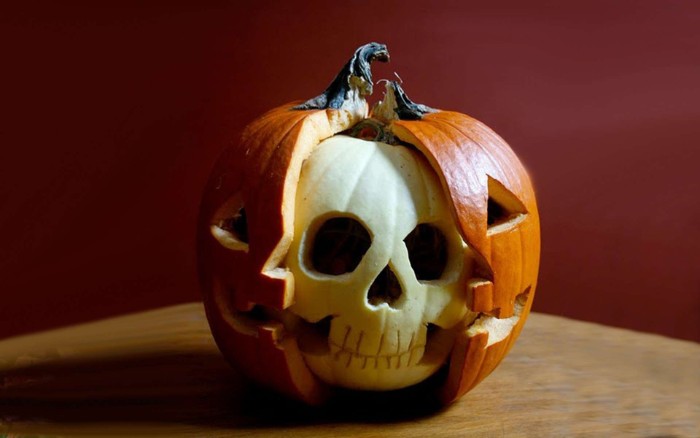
{"x": 348, "y": 351}
{"x": 386, "y": 361}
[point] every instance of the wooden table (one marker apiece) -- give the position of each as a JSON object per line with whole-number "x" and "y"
{"x": 159, "y": 372}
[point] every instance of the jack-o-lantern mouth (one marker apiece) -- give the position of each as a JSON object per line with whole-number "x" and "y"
{"x": 427, "y": 349}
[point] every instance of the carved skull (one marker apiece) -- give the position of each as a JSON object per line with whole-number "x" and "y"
{"x": 379, "y": 268}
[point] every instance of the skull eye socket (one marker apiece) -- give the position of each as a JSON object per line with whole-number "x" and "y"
{"x": 339, "y": 245}
{"x": 427, "y": 251}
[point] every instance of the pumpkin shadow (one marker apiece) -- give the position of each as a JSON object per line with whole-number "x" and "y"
{"x": 180, "y": 390}
{"x": 265, "y": 408}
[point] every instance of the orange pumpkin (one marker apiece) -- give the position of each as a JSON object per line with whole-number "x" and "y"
{"x": 461, "y": 259}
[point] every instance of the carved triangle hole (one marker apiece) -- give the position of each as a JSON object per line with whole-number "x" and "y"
{"x": 504, "y": 209}
{"x": 230, "y": 224}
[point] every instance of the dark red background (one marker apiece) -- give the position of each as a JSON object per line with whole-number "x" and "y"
{"x": 113, "y": 116}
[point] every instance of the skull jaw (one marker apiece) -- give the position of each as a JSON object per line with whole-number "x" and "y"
{"x": 369, "y": 374}
{"x": 345, "y": 367}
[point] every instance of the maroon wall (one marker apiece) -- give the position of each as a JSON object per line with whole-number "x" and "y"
{"x": 113, "y": 116}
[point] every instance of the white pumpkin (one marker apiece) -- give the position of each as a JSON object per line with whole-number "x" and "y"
{"x": 357, "y": 203}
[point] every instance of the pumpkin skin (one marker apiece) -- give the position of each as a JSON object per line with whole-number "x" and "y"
{"x": 246, "y": 290}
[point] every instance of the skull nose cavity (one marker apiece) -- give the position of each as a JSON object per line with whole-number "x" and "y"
{"x": 386, "y": 288}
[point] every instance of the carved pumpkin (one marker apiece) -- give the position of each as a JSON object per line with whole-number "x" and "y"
{"x": 367, "y": 250}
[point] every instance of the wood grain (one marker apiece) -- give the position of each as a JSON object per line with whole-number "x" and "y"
{"x": 159, "y": 372}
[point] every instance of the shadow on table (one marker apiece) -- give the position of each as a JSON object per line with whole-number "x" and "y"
{"x": 197, "y": 389}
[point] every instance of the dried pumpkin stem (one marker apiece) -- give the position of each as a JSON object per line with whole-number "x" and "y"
{"x": 356, "y": 74}
{"x": 404, "y": 107}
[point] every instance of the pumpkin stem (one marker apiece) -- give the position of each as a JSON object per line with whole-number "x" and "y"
{"x": 396, "y": 105}
{"x": 355, "y": 75}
